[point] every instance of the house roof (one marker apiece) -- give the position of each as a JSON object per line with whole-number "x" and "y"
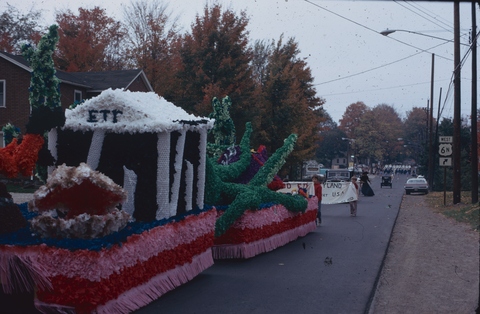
{"x": 100, "y": 81}
{"x": 94, "y": 81}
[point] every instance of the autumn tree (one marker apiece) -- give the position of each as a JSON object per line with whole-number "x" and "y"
{"x": 215, "y": 62}
{"x": 151, "y": 37}
{"x": 378, "y": 133}
{"x": 288, "y": 103}
{"x": 89, "y": 41}
{"x": 351, "y": 118}
{"x": 17, "y": 28}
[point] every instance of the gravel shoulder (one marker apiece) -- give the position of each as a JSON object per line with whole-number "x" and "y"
{"x": 432, "y": 264}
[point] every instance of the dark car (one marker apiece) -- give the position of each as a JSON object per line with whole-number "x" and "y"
{"x": 386, "y": 181}
{"x": 416, "y": 185}
{"x": 338, "y": 175}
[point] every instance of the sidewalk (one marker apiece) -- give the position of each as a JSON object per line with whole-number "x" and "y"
{"x": 432, "y": 264}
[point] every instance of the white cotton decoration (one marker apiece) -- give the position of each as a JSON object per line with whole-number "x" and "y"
{"x": 201, "y": 167}
{"x": 163, "y": 175}
{"x": 178, "y": 172}
{"x": 129, "y": 185}
{"x": 52, "y": 147}
{"x": 188, "y": 185}
{"x": 135, "y": 112}
{"x": 95, "y": 150}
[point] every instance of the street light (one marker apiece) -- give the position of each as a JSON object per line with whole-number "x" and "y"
{"x": 431, "y": 162}
{"x": 391, "y": 31}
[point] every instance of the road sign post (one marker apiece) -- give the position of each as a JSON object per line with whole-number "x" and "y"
{"x": 445, "y": 150}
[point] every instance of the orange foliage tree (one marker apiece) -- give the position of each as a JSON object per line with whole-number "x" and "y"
{"x": 89, "y": 41}
{"x": 215, "y": 59}
{"x": 287, "y": 102}
{"x": 351, "y": 118}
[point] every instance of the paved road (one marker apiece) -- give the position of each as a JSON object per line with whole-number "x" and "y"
{"x": 331, "y": 270}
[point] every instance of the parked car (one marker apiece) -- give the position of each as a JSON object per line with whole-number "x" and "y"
{"x": 338, "y": 175}
{"x": 414, "y": 185}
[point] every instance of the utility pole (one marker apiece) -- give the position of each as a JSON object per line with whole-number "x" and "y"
{"x": 474, "y": 142}
{"x": 457, "y": 188}
{"x": 431, "y": 161}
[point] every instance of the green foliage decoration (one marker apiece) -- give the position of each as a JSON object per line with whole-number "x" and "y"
{"x": 224, "y": 130}
{"x": 220, "y": 190}
{"x": 44, "y": 95}
{"x": 10, "y": 132}
{"x": 229, "y": 173}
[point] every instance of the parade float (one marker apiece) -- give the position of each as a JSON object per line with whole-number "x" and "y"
{"x": 136, "y": 202}
{"x": 253, "y": 218}
{"x": 121, "y": 219}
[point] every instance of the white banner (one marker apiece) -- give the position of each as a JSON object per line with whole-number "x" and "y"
{"x": 332, "y": 192}
{"x": 338, "y": 192}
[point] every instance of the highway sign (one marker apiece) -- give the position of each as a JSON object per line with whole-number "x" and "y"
{"x": 445, "y": 149}
{"x": 445, "y": 161}
{"x": 445, "y": 139}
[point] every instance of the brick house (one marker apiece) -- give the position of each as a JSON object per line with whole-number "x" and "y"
{"x": 15, "y": 74}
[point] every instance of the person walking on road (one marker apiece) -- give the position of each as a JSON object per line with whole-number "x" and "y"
{"x": 365, "y": 183}
{"x": 318, "y": 193}
{"x": 353, "y": 204}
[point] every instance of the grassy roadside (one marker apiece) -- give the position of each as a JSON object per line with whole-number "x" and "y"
{"x": 462, "y": 212}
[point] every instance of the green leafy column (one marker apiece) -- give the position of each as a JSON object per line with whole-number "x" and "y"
{"x": 44, "y": 93}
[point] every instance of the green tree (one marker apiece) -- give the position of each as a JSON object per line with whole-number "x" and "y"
{"x": 415, "y": 135}
{"x": 331, "y": 146}
{"x": 17, "y": 29}
{"x": 89, "y": 41}
{"x": 446, "y": 129}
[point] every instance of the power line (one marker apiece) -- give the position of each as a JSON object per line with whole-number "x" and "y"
{"x": 370, "y": 29}
{"x": 449, "y": 29}
{"x": 385, "y": 88}
{"x": 376, "y": 68}
{"x": 453, "y": 75}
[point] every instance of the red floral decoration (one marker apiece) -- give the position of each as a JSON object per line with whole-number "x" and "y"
{"x": 247, "y": 235}
{"x": 20, "y": 158}
{"x": 85, "y": 197}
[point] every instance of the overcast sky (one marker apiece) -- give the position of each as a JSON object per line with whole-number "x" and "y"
{"x": 349, "y": 58}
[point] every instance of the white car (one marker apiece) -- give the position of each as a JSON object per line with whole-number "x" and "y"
{"x": 416, "y": 185}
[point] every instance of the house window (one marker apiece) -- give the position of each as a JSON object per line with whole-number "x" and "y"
{"x": 338, "y": 161}
{"x": 78, "y": 96}
{"x": 2, "y": 93}
{"x": 2, "y": 140}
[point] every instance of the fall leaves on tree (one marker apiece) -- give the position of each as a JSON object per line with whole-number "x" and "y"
{"x": 88, "y": 41}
